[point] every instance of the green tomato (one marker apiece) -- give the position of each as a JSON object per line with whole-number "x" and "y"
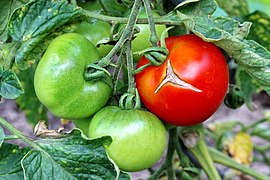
{"x": 141, "y": 40}
{"x": 139, "y": 137}
{"x": 59, "y": 78}
{"x": 95, "y": 32}
{"x": 113, "y": 8}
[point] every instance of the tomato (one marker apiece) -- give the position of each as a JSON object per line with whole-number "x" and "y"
{"x": 189, "y": 86}
{"x": 141, "y": 40}
{"x": 139, "y": 137}
{"x": 59, "y": 78}
{"x": 95, "y": 32}
{"x": 113, "y": 8}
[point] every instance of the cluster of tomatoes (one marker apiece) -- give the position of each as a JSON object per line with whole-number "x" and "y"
{"x": 185, "y": 90}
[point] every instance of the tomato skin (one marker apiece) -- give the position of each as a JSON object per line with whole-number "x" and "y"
{"x": 59, "y": 78}
{"x": 198, "y": 63}
{"x": 139, "y": 137}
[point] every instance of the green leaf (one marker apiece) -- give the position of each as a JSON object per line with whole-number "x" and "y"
{"x": 260, "y": 29}
{"x": 197, "y": 7}
{"x": 10, "y": 161}
{"x": 237, "y": 8}
{"x": 247, "y": 85}
{"x": 2, "y": 136}
{"x": 28, "y": 102}
{"x": 261, "y": 130}
{"x": 10, "y": 86}
{"x": 70, "y": 157}
{"x": 31, "y": 24}
{"x": 229, "y": 34}
{"x": 6, "y": 9}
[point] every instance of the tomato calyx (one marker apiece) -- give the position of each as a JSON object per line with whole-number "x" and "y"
{"x": 94, "y": 72}
{"x": 130, "y": 101}
{"x": 171, "y": 77}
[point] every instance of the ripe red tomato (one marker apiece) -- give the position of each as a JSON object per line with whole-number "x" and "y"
{"x": 189, "y": 86}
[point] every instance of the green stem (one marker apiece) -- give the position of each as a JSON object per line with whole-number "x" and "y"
{"x": 193, "y": 138}
{"x": 245, "y": 129}
{"x": 10, "y": 137}
{"x": 183, "y": 159}
{"x": 221, "y": 158}
{"x": 127, "y": 32}
{"x": 20, "y": 135}
{"x": 168, "y": 19}
{"x": 103, "y": 7}
{"x": 130, "y": 68}
{"x": 153, "y": 35}
{"x": 167, "y": 166}
{"x": 117, "y": 70}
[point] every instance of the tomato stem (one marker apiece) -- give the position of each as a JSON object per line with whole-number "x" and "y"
{"x": 227, "y": 161}
{"x": 168, "y": 19}
{"x": 153, "y": 35}
{"x": 103, "y": 7}
{"x": 167, "y": 165}
{"x": 20, "y": 135}
{"x": 193, "y": 138}
{"x": 125, "y": 36}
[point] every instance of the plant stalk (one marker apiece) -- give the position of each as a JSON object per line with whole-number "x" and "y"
{"x": 153, "y": 35}
{"x": 124, "y": 37}
{"x": 221, "y": 158}
{"x": 168, "y": 19}
{"x": 167, "y": 166}
{"x": 193, "y": 138}
{"x": 20, "y": 135}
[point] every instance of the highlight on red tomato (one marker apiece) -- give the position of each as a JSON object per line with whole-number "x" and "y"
{"x": 189, "y": 86}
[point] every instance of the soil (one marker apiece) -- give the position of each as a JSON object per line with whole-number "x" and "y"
{"x": 10, "y": 112}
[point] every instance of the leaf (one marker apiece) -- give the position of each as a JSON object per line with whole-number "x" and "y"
{"x": 229, "y": 34}
{"x": 2, "y": 136}
{"x": 260, "y": 29}
{"x": 31, "y": 24}
{"x": 10, "y": 161}
{"x": 262, "y": 131}
{"x": 237, "y": 8}
{"x": 10, "y": 86}
{"x": 28, "y": 102}
{"x": 70, "y": 157}
{"x": 240, "y": 148}
{"x": 6, "y": 9}
{"x": 247, "y": 85}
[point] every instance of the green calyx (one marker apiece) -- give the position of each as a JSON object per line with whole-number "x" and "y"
{"x": 94, "y": 72}
{"x": 130, "y": 101}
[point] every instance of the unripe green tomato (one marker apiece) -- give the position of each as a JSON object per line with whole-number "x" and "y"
{"x": 141, "y": 40}
{"x": 112, "y": 7}
{"x": 59, "y": 78}
{"x": 139, "y": 137}
{"x": 94, "y": 32}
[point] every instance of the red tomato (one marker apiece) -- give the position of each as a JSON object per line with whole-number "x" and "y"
{"x": 189, "y": 86}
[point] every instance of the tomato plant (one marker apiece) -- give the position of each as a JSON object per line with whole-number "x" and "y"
{"x": 189, "y": 86}
{"x": 139, "y": 137}
{"x": 74, "y": 63}
{"x": 59, "y": 81}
